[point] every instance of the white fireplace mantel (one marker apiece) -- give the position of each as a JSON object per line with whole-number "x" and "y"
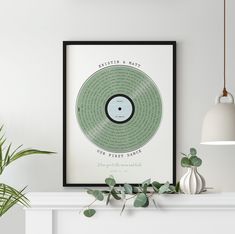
{"x": 59, "y": 213}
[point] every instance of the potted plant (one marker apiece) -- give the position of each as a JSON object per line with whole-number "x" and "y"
{"x": 192, "y": 182}
{"x": 10, "y": 196}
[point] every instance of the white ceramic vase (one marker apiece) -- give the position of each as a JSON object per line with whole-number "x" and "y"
{"x": 192, "y": 182}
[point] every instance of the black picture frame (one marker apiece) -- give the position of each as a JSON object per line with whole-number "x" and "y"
{"x": 67, "y": 43}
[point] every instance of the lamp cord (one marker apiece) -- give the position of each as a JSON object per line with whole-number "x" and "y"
{"x": 225, "y": 93}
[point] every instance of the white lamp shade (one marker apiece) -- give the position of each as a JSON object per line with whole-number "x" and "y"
{"x": 219, "y": 125}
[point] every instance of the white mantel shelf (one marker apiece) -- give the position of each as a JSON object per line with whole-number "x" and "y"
{"x": 59, "y": 213}
{"x": 77, "y": 200}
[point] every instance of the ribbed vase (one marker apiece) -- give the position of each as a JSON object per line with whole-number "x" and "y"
{"x": 192, "y": 182}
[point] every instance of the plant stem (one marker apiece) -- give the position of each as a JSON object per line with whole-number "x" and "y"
{"x": 87, "y": 207}
{"x": 151, "y": 194}
{"x": 92, "y": 203}
{"x": 131, "y": 197}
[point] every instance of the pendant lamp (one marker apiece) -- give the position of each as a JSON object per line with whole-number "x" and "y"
{"x": 219, "y": 123}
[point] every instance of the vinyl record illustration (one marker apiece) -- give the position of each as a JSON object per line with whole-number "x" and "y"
{"x": 119, "y": 108}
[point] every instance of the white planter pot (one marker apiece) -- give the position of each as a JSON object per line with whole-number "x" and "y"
{"x": 192, "y": 182}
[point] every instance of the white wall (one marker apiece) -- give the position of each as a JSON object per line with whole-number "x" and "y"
{"x": 31, "y": 35}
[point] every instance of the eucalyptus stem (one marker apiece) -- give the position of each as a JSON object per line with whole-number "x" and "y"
{"x": 129, "y": 198}
{"x": 88, "y": 206}
{"x": 140, "y": 195}
{"x": 92, "y": 203}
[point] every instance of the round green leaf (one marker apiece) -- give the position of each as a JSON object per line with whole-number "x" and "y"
{"x": 193, "y": 151}
{"x": 148, "y": 181}
{"x": 156, "y": 185}
{"x": 98, "y": 195}
{"x": 145, "y": 188}
{"x": 172, "y": 188}
{"x": 135, "y": 189}
{"x": 90, "y": 191}
{"x": 195, "y": 161}
{"x": 177, "y": 187}
{"x": 185, "y": 162}
{"x": 122, "y": 191}
{"x": 128, "y": 188}
{"x": 146, "y": 203}
{"x": 89, "y": 212}
{"x": 115, "y": 194}
{"x": 110, "y": 182}
{"x": 165, "y": 188}
{"x": 140, "y": 200}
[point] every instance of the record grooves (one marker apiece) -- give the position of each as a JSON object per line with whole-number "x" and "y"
{"x": 119, "y": 108}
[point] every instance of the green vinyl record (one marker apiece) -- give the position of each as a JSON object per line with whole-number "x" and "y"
{"x": 119, "y": 108}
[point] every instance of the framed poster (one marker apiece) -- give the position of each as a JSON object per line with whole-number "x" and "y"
{"x": 119, "y": 111}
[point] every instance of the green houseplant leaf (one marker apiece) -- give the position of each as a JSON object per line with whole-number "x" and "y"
{"x": 8, "y": 195}
{"x": 27, "y": 152}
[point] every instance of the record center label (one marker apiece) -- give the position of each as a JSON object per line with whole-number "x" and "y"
{"x": 119, "y": 108}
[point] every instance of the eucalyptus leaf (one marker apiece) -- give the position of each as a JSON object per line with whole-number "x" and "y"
{"x": 177, "y": 187}
{"x": 122, "y": 191}
{"x": 110, "y": 182}
{"x": 89, "y": 212}
{"x": 141, "y": 197}
{"x": 135, "y": 189}
{"x": 108, "y": 199}
{"x": 115, "y": 195}
{"x": 185, "y": 162}
{"x": 195, "y": 161}
{"x": 146, "y": 203}
{"x": 156, "y": 186}
{"x": 105, "y": 191}
{"x": 128, "y": 188}
{"x": 90, "y": 191}
{"x": 156, "y": 190}
{"x": 148, "y": 181}
{"x": 145, "y": 188}
{"x": 140, "y": 200}
{"x": 193, "y": 151}
{"x": 98, "y": 195}
{"x": 164, "y": 188}
{"x": 172, "y": 188}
